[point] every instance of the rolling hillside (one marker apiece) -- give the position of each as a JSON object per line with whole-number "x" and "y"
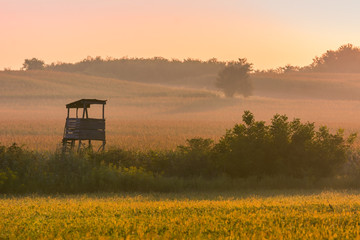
{"x": 325, "y": 86}
{"x": 58, "y": 85}
{"x": 142, "y": 116}
{"x": 314, "y": 97}
{"x": 44, "y": 90}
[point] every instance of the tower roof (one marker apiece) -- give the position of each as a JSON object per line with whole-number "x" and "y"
{"x": 85, "y": 103}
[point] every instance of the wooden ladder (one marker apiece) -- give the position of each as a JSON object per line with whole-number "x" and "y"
{"x": 68, "y": 145}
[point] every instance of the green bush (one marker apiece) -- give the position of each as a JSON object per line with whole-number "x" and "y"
{"x": 253, "y": 150}
{"x": 283, "y": 148}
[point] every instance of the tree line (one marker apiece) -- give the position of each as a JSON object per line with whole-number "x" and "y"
{"x": 151, "y": 70}
{"x": 232, "y": 77}
{"x": 345, "y": 59}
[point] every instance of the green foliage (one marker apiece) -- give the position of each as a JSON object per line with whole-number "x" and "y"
{"x": 282, "y": 148}
{"x": 195, "y": 158}
{"x": 234, "y": 78}
{"x": 251, "y": 149}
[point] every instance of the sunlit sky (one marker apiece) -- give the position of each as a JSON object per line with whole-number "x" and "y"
{"x": 268, "y": 33}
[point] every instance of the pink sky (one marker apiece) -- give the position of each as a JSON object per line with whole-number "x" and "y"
{"x": 269, "y": 35}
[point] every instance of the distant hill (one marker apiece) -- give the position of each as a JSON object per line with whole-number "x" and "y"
{"x": 302, "y": 85}
{"x": 333, "y": 75}
{"x": 187, "y": 72}
{"x": 42, "y": 95}
{"x": 51, "y": 84}
{"x": 38, "y": 89}
{"x": 346, "y": 59}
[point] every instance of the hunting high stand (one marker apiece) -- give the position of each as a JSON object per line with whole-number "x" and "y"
{"x": 84, "y": 128}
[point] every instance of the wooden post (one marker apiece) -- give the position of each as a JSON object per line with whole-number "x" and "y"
{"x": 79, "y": 147}
{"x": 77, "y": 110}
{"x": 103, "y": 111}
{"x": 68, "y": 112}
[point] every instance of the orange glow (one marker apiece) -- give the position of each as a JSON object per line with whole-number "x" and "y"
{"x": 68, "y": 32}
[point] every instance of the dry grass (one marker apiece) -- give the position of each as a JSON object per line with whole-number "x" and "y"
{"x": 330, "y": 86}
{"x": 126, "y": 134}
{"x": 139, "y": 135}
{"x": 146, "y": 116}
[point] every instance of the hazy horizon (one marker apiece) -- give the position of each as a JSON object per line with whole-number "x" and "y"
{"x": 269, "y": 34}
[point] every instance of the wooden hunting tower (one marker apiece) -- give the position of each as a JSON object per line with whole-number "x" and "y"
{"x": 83, "y": 128}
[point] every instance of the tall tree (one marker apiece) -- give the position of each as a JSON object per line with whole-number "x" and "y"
{"x": 234, "y": 78}
{"x": 33, "y": 64}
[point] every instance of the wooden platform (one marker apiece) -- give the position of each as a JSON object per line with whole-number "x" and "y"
{"x": 84, "y": 129}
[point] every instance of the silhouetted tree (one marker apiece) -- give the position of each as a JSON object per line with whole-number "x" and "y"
{"x": 345, "y": 59}
{"x": 289, "y": 68}
{"x": 33, "y": 64}
{"x": 234, "y": 78}
{"x": 149, "y": 70}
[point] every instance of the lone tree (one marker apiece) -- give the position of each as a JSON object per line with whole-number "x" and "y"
{"x": 33, "y": 64}
{"x": 234, "y": 78}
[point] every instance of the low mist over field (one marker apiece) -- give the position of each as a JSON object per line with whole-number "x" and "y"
{"x": 156, "y": 91}
{"x": 157, "y": 94}
{"x": 179, "y": 119}
{"x": 161, "y": 89}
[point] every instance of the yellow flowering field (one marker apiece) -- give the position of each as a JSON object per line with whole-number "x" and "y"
{"x": 231, "y": 215}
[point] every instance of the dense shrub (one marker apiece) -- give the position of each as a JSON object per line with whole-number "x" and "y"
{"x": 281, "y": 150}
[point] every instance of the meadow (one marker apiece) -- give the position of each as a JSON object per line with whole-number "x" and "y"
{"x": 268, "y": 214}
{"x": 126, "y": 134}
{"x": 142, "y": 117}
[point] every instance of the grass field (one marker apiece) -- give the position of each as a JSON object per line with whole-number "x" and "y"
{"x": 127, "y": 134}
{"x": 144, "y": 116}
{"x": 231, "y": 215}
